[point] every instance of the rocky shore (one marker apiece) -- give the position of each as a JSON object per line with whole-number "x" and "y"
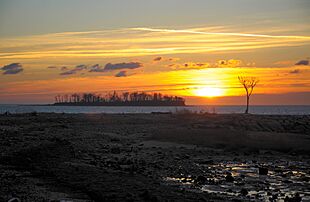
{"x": 154, "y": 157}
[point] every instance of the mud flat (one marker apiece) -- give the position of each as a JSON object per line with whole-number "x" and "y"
{"x": 154, "y": 157}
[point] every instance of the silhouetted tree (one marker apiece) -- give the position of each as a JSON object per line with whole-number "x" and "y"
{"x": 126, "y": 96}
{"x": 248, "y": 83}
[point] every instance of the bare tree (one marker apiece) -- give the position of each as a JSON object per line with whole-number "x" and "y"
{"x": 248, "y": 83}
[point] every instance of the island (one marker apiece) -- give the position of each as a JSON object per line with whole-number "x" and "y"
{"x": 118, "y": 99}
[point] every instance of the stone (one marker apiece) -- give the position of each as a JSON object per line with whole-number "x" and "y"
{"x": 115, "y": 150}
{"x": 201, "y": 180}
{"x": 229, "y": 178}
{"x": 115, "y": 139}
{"x": 263, "y": 171}
{"x": 147, "y": 196}
{"x": 244, "y": 192}
{"x": 296, "y": 198}
{"x": 14, "y": 200}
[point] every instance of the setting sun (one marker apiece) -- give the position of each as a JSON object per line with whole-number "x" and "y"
{"x": 209, "y": 92}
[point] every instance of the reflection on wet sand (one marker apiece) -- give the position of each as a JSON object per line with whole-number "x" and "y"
{"x": 285, "y": 181}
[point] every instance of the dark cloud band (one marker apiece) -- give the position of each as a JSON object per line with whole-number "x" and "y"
{"x": 13, "y": 68}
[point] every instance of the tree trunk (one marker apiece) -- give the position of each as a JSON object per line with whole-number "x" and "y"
{"x": 247, "y": 104}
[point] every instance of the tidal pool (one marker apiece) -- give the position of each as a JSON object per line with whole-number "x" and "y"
{"x": 284, "y": 180}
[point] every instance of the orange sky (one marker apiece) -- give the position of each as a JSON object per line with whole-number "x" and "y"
{"x": 200, "y": 63}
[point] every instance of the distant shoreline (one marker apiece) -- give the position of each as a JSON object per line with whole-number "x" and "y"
{"x": 126, "y": 104}
{"x": 186, "y": 105}
{"x": 199, "y": 109}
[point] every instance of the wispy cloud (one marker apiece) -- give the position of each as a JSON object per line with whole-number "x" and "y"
{"x": 136, "y": 42}
{"x": 223, "y": 33}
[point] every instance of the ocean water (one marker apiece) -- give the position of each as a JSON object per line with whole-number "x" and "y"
{"x": 276, "y": 110}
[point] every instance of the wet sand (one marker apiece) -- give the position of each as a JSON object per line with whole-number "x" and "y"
{"x": 154, "y": 157}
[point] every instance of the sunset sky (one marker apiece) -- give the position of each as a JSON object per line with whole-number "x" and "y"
{"x": 195, "y": 49}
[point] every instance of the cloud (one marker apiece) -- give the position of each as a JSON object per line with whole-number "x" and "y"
{"x": 189, "y": 65}
{"x": 96, "y": 68}
{"x": 129, "y": 65}
{"x": 157, "y": 59}
{"x": 13, "y": 68}
{"x": 302, "y": 62}
{"x": 173, "y": 59}
{"x": 63, "y": 68}
{"x": 121, "y": 74}
{"x": 295, "y": 71}
{"x": 203, "y": 65}
{"x": 188, "y": 31}
{"x": 49, "y": 46}
{"x": 80, "y": 67}
{"x": 76, "y": 69}
{"x": 117, "y": 66}
{"x": 52, "y": 67}
{"x": 229, "y": 63}
{"x": 68, "y": 72}
{"x": 163, "y": 59}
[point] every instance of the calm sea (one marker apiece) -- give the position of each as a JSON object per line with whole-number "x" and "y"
{"x": 290, "y": 110}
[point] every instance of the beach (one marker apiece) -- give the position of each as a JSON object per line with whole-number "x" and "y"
{"x": 154, "y": 157}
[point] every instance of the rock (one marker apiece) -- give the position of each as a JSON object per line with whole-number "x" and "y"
{"x": 296, "y": 198}
{"x": 126, "y": 167}
{"x": 229, "y": 178}
{"x": 184, "y": 180}
{"x": 34, "y": 113}
{"x": 115, "y": 150}
{"x": 201, "y": 180}
{"x": 274, "y": 197}
{"x": 240, "y": 184}
{"x": 147, "y": 196}
{"x": 244, "y": 192}
{"x": 115, "y": 139}
{"x": 14, "y": 200}
{"x": 7, "y": 113}
{"x": 204, "y": 162}
{"x": 287, "y": 181}
{"x": 305, "y": 179}
{"x": 263, "y": 171}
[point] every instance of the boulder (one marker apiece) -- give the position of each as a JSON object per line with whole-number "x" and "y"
{"x": 115, "y": 150}
{"x": 201, "y": 180}
{"x": 263, "y": 171}
{"x": 244, "y": 192}
{"x": 229, "y": 178}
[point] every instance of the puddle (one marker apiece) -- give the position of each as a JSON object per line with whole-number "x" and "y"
{"x": 284, "y": 180}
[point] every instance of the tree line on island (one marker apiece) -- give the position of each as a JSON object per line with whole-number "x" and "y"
{"x": 119, "y": 99}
